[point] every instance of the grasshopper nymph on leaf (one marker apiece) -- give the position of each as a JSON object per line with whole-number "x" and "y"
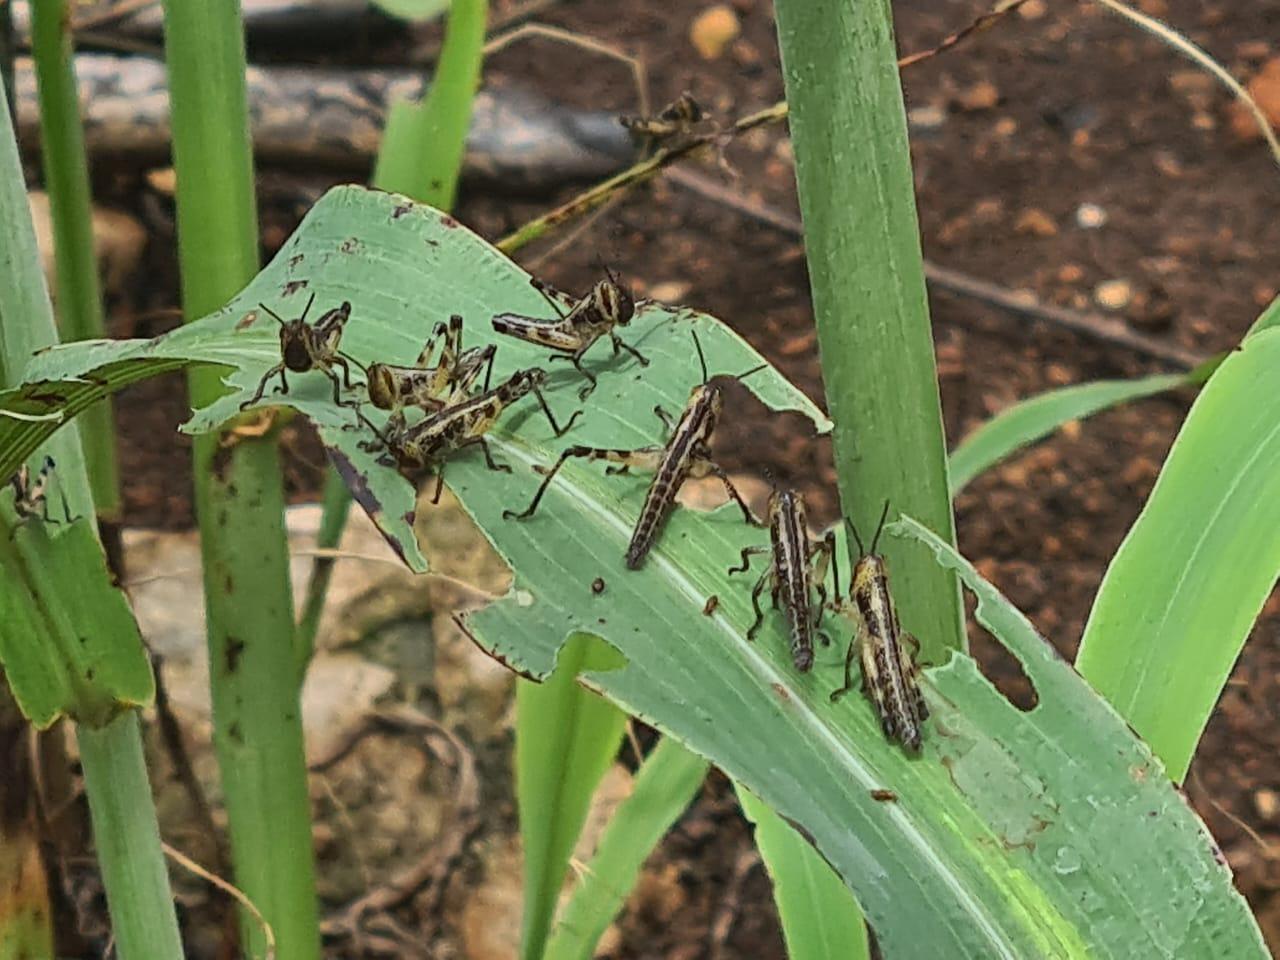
{"x": 31, "y": 497}
{"x": 797, "y": 568}
{"x": 429, "y": 387}
{"x": 305, "y": 347}
{"x": 418, "y": 448}
{"x": 608, "y": 305}
{"x": 686, "y": 454}
{"x": 888, "y": 669}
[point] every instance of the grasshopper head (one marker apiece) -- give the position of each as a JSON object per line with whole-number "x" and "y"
{"x": 614, "y": 300}
{"x": 383, "y": 390}
{"x": 297, "y": 347}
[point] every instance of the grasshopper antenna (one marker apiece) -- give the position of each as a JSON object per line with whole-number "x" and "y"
{"x": 279, "y": 319}
{"x": 880, "y": 526}
{"x": 702, "y": 359}
{"x": 848, "y": 522}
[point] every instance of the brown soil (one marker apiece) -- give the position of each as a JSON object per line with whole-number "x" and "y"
{"x": 1052, "y": 109}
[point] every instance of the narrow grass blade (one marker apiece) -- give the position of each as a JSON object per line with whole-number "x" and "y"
{"x": 1036, "y": 417}
{"x": 820, "y": 917}
{"x": 665, "y": 785}
{"x": 66, "y": 172}
{"x": 1187, "y": 584}
{"x": 566, "y": 739}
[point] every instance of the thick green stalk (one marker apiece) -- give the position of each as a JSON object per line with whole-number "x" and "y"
{"x": 137, "y": 885}
{"x": 239, "y": 497}
{"x": 853, "y": 169}
{"x": 128, "y": 843}
{"x": 66, "y": 175}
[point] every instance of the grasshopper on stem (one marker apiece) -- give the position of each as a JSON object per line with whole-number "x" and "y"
{"x": 888, "y": 669}
{"x": 797, "y": 567}
{"x": 431, "y": 388}
{"x": 304, "y": 347}
{"x": 686, "y": 454}
{"x": 417, "y": 448}
{"x": 675, "y": 119}
{"x": 608, "y": 305}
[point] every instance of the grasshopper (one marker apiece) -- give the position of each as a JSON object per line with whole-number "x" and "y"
{"x": 686, "y": 454}
{"x": 417, "y": 448}
{"x": 797, "y": 567}
{"x": 888, "y": 669}
{"x": 304, "y": 348}
{"x": 431, "y": 388}
{"x": 608, "y": 305}
{"x": 676, "y": 118}
{"x": 31, "y": 497}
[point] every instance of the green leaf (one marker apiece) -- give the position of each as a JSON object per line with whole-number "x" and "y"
{"x": 1187, "y": 584}
{"x": 666, "y": 784}
{"x": 413, "y": 9}
{"x": 1048, "y": 833}
{"x": 1037, "y": 417}
{"x": 566, "y": 740}
{"x": 820, "y": 918}
{"x": 68, "y": 640}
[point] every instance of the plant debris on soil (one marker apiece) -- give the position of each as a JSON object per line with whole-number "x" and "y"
{"x": 1061, "y": 153}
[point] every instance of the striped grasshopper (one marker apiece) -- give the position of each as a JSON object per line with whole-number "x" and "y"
{"x": 797, "y": 568}
{"x": 426, "y": 386}
{"x": 305, "y": 347}
{"x": 608, "y": 305}
{"x": 419, "y": 447}
{"x": 686, "y": 454}
{"x": 888, "y": 670}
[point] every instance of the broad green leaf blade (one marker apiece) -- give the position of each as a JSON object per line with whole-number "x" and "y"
{"x": 68, "y": 641}
{"x": 1187, "y": 584}
{"x": 1050, "y": 833}
{"x": 1037, "y": 417}
{"x": 666, "y": 784}
{"x": 566, "y": 739}
{"x": 820, "y": 918}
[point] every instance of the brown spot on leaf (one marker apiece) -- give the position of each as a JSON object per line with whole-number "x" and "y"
{"x": 597, "y": 585}
{"x": 884, "y": 796}
{"x": 293, "y": 286}
{"x": 710, "y": 606}
{"x": 400, "y": 210}
{"x": 448, "y": 221}
{"x": 247, "y": 320}
{"x": 231, "y": 656}
{"x": 295, "y": 260}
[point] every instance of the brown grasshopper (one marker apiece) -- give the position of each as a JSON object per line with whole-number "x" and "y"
{"x": 888, "y": 669}
{"x": 676, "y": 118}
{"x": 304, "y": 348}
{"x": 686, "y": 454}
{"x": 31, "y": 497}
{"x": 797, "y": 567}
{"x": 415, "y": 449}
{"x": 608, "y": 305}
{"x": 431, "y": 388}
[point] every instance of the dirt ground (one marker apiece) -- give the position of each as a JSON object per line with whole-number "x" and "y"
{"x": 1060, "y": 106}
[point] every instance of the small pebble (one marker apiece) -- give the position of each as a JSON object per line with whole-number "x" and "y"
{"x": 1090, "y": 216}
{"x": 1267, "y": 803}
{"x": 713, "y": 29}
{"x": 1113, "y": 294}
{"x": 926, "y": 119}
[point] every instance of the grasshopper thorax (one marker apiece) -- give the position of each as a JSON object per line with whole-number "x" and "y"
{"x": 522, "y": 382}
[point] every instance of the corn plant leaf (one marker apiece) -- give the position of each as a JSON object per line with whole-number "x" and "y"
{"x": 1047, "y": 833}
{"x": 68, "y": 641}
{"x": 1184, "y": 589}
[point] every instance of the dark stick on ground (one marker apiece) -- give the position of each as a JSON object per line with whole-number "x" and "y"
{"x": 954, "y": 281}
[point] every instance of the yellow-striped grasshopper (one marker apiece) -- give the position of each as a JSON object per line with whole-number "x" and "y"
{"x": 420, "y": 447}
{"x": 427, "y": 386}
{"x": 686, "y": 454}
{"x": 888, "y": 669}
{"x": 797, "y": 569}
{"x": 608, "y": 305}
{"x": 304, "y": 347}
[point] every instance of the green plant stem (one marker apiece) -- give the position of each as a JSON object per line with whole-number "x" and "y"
{"x": 128, "y": 841}
{"x": 240, "y": 498}
{"x": 336, "y": 506}
{"x": 853, "y": 169}
{"x": 424, "y": 143}
{"x": 66, "y": 175}
{"x": 137, "y": 886}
